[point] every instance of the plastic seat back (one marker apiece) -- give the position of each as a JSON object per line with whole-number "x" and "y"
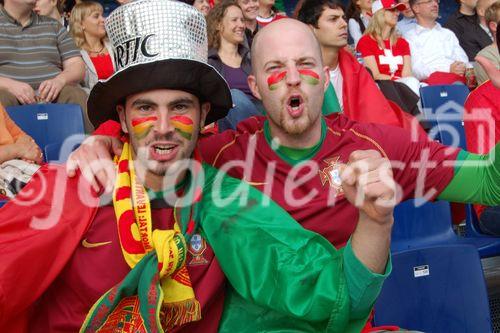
{"x": 438, "y": 289}
{"x": 443, "y": 108}
{"x": 417, "y": 225}
{"x": 48, "y": 123}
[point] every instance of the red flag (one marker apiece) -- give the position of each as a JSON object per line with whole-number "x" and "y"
{"x": 38, "y": 239}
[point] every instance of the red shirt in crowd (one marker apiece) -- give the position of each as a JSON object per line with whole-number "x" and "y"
{"x": 103, "y": 66}
{"x": 389, "y": 60}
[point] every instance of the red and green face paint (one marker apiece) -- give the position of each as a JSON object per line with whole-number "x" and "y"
{"x": 183, "y": 125}
{"x": 309, "y": 76}
{"x": 274, "y": 79}
{"x": 142, "y": 125}
{"x": 306, "y": 75}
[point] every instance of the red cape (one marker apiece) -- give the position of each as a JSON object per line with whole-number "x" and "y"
{"x": 56, "y": 216}
{"x": 481, "y": 137}
{"x": 363, "y": 101}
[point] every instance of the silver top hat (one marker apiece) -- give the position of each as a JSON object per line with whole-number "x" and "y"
{"x": 158, "y": 44}
{"x": 146, "y": 30}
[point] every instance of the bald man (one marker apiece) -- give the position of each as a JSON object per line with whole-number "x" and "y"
{"x": 298, "y": 157}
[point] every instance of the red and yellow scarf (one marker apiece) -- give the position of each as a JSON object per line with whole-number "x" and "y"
{"x": 157, "y": 294}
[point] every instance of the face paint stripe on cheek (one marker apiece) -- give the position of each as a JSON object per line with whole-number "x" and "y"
{"x": 183, "y": 125}
{"x": 139, "y": 120}
{"x": 143, "y": 125}
{"x": 309, "y": 76}
{"x": 274, "y": 79}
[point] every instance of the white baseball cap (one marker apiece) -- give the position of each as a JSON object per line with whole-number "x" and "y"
{"x": 387, "y": 4}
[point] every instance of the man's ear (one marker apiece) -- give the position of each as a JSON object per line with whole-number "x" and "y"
{"x": 326, "y": 71}
{"x": 493, "y": 26}
{"x": 121, "y": 114}
{"x": 205, "y": 108}
{"x": 252, "y": 83}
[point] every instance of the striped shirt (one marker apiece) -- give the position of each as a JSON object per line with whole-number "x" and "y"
{"x": 36, "y": 52}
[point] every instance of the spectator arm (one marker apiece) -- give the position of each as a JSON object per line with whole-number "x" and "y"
{"x": 406, "y": 66}
{"x": 8, "y": 152}
{"x": 371, "y": 64}
{"x": 354, "y": 31}
{"x": 73, "y": 71}
{"x": 5, "y": 82}
{"x": 420, "y": 70}
{"x": 458, "y": 52}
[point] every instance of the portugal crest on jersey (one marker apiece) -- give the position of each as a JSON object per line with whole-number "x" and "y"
{"x": 331, "y": 174}
{"x": 197, "y": 247}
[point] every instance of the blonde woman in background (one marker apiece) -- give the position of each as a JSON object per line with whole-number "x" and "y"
{"x": 385, "y": 53}
{"x": 87, "y": 28}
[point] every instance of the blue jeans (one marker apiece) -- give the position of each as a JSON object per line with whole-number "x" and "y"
{"x": 243, "y": 107}
{"x": 489, "y": 221}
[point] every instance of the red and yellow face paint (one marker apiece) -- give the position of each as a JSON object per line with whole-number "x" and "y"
{"x": 307, "y": 75}
{"x": 142, "y": 125}
{"x": 183, "y": 125}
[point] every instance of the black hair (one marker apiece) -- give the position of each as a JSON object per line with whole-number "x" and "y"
{"x": 311, "y": 10}
{"x": 189, "y": 2}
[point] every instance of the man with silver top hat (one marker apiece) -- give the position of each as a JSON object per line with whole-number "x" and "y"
{"x": 157, "y": 258}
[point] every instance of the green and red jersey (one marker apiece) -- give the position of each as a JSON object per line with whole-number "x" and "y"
{"x": 327, "y": 211}
{"x": 53, "y": 270}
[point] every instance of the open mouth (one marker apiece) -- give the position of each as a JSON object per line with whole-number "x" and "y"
{"x": 295, "y": 105}
{"x": 163, "y": 149}
{"x": 163, "y": 152}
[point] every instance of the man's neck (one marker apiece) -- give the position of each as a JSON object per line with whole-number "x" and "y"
{"x": 251, "y": 25}
{"x": 330, "y": 56}
{"x": 482, "y": 21}
{"x": 429, "y": 24}
{"x": 466, "y": 10}
{"x": 56, "y": 16}
{"x": 21, "y": 14}
{"x": 158, "y": 183}
{"x": 265, "y": 11}
{"x": 307, "y": 139}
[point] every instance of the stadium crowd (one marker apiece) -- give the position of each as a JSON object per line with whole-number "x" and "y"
{"x": 301, "y": 132}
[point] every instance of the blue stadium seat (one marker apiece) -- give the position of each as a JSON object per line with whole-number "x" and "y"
{"x": 437, "y": 289}
{"x": 2, "y": 202}
{"x": 59, "y": 152}
{"x": 443, "y": 108}
{"x": 423, "y": 225}
{"x": 443, "y": 105}
{"x": 430, "y": 225}
{"x": 49, "y": 124}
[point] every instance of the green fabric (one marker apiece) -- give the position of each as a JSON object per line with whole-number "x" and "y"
{"x": 476, "y": 183}
{"x": 297, "y": 154}
{"x": 294, "y": 156}
{"x": 283, "y": 277}
{"x": 331, "y": 102}
{"x": 141, "y": 282}
{"x": 166, "y": 193}
{"x": 364, "y": 285}
{"x": 280, "y": 5}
